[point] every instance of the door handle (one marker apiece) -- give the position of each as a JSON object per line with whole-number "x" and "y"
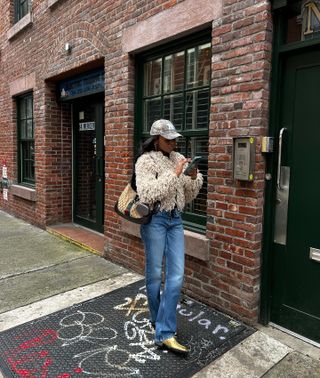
{"x": 282, "y": 197}
{"x": 280, "y": 158}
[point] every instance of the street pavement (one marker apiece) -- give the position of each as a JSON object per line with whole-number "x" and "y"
{"x": 41, "y": 274}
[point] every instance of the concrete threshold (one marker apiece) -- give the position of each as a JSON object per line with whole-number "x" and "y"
{"x": 80, "y": 236}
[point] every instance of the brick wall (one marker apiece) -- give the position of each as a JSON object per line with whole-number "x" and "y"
{"x": 240, "y": 92}
{"x": 241, "y": 47}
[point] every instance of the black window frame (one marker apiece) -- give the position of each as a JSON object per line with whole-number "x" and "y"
{"x": 21, "y": 8}
{"x": 192, "y": 221}
{"x": 26, "y": 142}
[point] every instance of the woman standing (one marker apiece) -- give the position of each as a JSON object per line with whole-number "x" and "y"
{"x": 162, "y": 185}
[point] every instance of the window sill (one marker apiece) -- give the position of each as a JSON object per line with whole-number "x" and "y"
{"x": 20, "y": 25}
{"x": 196, "y": 245}
{"x": 23, "y": 192}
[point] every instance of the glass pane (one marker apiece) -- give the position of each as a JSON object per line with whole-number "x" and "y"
{"x": 86, "y": 152}
{"x": 22, "y": 108}
{"x": 23, "y": 129}
{"x": 29, "y": 101}
{"x": 181, "y": 146}
{"x": 197, "y": 110}
{"x": 198, "y": 66}
{"x": 191, "y": 67}
{"x": 27, "y": 161}
{"x": 152, "y": 112}
{"x": 173, "y": 109}
{"x": 173, "y": 72}
{"x": 294, "y": 23}
{"x": 199, "y": 146}
{"x": 310, "y": 20}
{"x": 29, "y": 129}
{"x": 152, "y": 77}
{"x": 204, "y": 64}
{"x": 32, "y": 161}
{"x": 23, "y": 8}
{"x": 303, "y": 21}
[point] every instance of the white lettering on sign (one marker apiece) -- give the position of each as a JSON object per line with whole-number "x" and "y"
{"x": 86, "y": 126}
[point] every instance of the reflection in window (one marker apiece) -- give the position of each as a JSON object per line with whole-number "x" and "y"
{"x": 21, "y": 8}
{"x": 173, "y": 109}
{"x": 173, "y": 72}
{"x": 303, "y": 21}
{"x": 176, "y": 86}
{"x": 25, "y": 139}
{"x": 152, "y": 72}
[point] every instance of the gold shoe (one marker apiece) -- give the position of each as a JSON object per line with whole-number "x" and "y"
{"x": 173, "y": 345}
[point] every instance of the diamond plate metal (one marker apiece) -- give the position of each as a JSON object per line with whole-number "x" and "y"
{"x": 110, "y": 336}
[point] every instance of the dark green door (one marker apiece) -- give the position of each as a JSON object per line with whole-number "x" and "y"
{"x": 88, "y": 162}
{"x": 295, "y": 302}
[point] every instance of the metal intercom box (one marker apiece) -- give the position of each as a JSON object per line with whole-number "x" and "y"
{"x": 243, "y": 158}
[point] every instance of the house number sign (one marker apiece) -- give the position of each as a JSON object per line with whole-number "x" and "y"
{"x": 85, "y": 126}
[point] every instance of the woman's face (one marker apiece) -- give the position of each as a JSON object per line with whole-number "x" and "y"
{"x": 166, "y": 145}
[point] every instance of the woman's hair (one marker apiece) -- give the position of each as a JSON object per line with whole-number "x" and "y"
{"x": 147, "y": 146}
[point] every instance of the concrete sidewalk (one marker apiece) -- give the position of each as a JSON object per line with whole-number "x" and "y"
{"x": 41, "y": 274}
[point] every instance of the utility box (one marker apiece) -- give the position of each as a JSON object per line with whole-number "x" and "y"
{"x": 243, "y": 158}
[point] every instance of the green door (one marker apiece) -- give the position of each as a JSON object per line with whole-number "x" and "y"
{"x": 88, "y": 162}
{"x": 295, "y": 292}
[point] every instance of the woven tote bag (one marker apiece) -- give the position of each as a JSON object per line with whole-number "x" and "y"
{"x": 129, "y": 207}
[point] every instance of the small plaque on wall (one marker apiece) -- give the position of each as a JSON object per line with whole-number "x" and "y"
{"x": 87, "y": 126}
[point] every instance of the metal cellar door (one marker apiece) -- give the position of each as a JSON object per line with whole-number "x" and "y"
{"x": 295, "y": 302}
{"x": 88, "y": 162}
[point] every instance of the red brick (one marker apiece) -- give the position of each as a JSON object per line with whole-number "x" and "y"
{"x": 241, "y": 63}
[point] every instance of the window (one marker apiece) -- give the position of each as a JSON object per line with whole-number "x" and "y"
{"x": 25, "y": 139}
{"x": 175, "y": 85}
{"x": 21, "y": 8}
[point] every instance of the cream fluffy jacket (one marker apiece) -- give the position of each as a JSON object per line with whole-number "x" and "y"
{"x": 156, "y": 181}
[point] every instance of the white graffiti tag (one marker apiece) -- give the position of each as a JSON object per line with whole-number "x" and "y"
{"x": 84, "y": 326}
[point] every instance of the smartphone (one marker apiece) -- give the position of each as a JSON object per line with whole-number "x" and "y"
{"x": 194, "y": 162}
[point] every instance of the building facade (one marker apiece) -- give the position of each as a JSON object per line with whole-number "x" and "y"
{"x": 81, "y": 84}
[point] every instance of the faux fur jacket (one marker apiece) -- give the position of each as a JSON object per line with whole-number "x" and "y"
{"x": 156, "y": 181}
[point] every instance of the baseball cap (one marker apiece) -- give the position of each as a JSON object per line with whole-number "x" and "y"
{"x": 164, "y": 128}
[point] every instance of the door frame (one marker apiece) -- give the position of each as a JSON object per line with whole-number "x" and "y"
{"x": 280, "y": 53}
{"x": 99, "y": 225}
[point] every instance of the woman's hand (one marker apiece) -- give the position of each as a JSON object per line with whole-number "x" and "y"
{"x": 180, "y": 166}
{"x": 193, "y": 173}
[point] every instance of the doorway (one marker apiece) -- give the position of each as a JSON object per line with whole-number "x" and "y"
{"x": 295, "y": 251}
{"x": 88, "y": 162}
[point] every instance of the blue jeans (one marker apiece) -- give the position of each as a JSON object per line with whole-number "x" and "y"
{"x": 163, "y": 238}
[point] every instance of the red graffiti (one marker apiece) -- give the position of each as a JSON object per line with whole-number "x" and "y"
{"x": 47, "y": 336}
{"x": 31, "y": 359}
{"x": 26, "y": 362}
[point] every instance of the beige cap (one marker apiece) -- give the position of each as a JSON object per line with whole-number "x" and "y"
{"x": 164, "y": 128}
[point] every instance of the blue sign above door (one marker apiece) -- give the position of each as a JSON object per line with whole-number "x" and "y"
{"x": 82, "y": 85}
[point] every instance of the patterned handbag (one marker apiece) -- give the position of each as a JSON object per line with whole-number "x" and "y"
{"x": 129, "y": 207}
